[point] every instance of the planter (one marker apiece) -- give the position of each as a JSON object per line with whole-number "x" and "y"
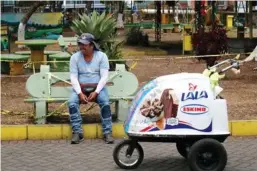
{"x": 5, "y": 68}
{"x": 250, "y": 44}
{"x": 236, "y": 45}
{"x": 13, "y": 64}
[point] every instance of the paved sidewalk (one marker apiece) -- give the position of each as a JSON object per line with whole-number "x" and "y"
{"x": 95, "y": 155}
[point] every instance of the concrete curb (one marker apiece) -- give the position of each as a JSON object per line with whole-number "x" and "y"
{"x": 92, "y": 131}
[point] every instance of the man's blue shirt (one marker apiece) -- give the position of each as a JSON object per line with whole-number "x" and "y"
{"x": 88, "y": 72}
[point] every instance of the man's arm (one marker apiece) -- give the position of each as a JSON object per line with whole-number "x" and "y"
{"x": 75, "y": 83}
{"x": 74, "y": 75}
{"x": 104, "y": 71}
{"x": 103, "y": 80}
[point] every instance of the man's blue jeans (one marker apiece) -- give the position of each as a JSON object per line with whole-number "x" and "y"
{"x": 103, "y": 102}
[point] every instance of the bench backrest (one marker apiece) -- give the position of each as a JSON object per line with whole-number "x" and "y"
{"x": 41, "y": 85}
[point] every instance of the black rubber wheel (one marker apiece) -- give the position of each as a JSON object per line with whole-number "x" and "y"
{"x": 183, "y": 149}
{"x": 207, "y": 155}
{"x": 137, "y": 148}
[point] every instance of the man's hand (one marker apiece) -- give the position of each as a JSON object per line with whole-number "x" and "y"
{"x": 92, "y": 96}
{"x": 83, "y": 98}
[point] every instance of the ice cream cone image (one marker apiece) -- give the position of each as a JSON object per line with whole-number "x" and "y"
{"x": 161, "y": 123}
{"x": 152, "y": 109}
{"x": 174, "y": 97}
{"x": 170, "y": 103}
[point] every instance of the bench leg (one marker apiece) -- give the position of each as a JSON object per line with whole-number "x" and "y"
{"x": 38, "y": 55}
{"x": 122, "y": 109}
{"x": 41, "y": 111}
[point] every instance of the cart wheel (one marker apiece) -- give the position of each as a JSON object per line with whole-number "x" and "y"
{"x": 207, "y": 154}
{"x": 128, "y": 154}
{"x": 182, "y": 149}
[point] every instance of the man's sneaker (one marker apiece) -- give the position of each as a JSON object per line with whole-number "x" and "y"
{"x": 77, "y": 138}
{"x": 108, "y": 139}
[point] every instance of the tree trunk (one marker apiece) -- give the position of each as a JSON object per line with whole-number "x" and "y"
{"x": 173, "y": 11}
{"x": 250, "y": 20}
{"x": 88, "y": 7}
{"x": 59, "y": 6}
{"x": 120, "y": 15}
{"x": 169, "y": 21}
{"x": 52, "y": 6}
{"x": 25, "y": 19}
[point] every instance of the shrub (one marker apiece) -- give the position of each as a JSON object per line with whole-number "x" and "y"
{"x": 210, "y": 43}
{"x": 136, "y": 36}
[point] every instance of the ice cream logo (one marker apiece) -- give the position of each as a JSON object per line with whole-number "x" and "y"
{"x": 193, "y": 95}
{"x": 194, "y": 109}
{"x": 192, "y": 87}
{"x": 172, "y": 121}
{"x": 160, "y": 110}
{"x": 144, "y": 121}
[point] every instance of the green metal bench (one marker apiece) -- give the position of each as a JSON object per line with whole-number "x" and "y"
{"x": 13, "y": 64}
{"x": 122, "y": 87}
{"x": 60, "y": 61}
{"x": 46, "y": 52}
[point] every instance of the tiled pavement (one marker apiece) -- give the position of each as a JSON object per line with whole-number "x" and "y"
{"x": 95, "y": 155}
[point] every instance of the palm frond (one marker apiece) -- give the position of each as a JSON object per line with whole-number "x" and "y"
{"x": 103, "y": 27}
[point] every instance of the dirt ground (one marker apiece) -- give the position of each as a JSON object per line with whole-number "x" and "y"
{"x": 239, "y": 90}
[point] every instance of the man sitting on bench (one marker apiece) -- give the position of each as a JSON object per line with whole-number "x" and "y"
{"x": 89, "y": 69}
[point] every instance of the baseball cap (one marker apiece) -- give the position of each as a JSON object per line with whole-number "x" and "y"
{"x": 87, "y": 38}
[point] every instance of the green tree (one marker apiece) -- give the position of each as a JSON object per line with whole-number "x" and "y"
{"x": 26, "y": 17}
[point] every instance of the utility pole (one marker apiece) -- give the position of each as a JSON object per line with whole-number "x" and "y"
{"x": 214, "y": 10}
{"x": 158, "y": 21}
{"x": 250, "y": 20}
{"x": 198, "y": 17}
